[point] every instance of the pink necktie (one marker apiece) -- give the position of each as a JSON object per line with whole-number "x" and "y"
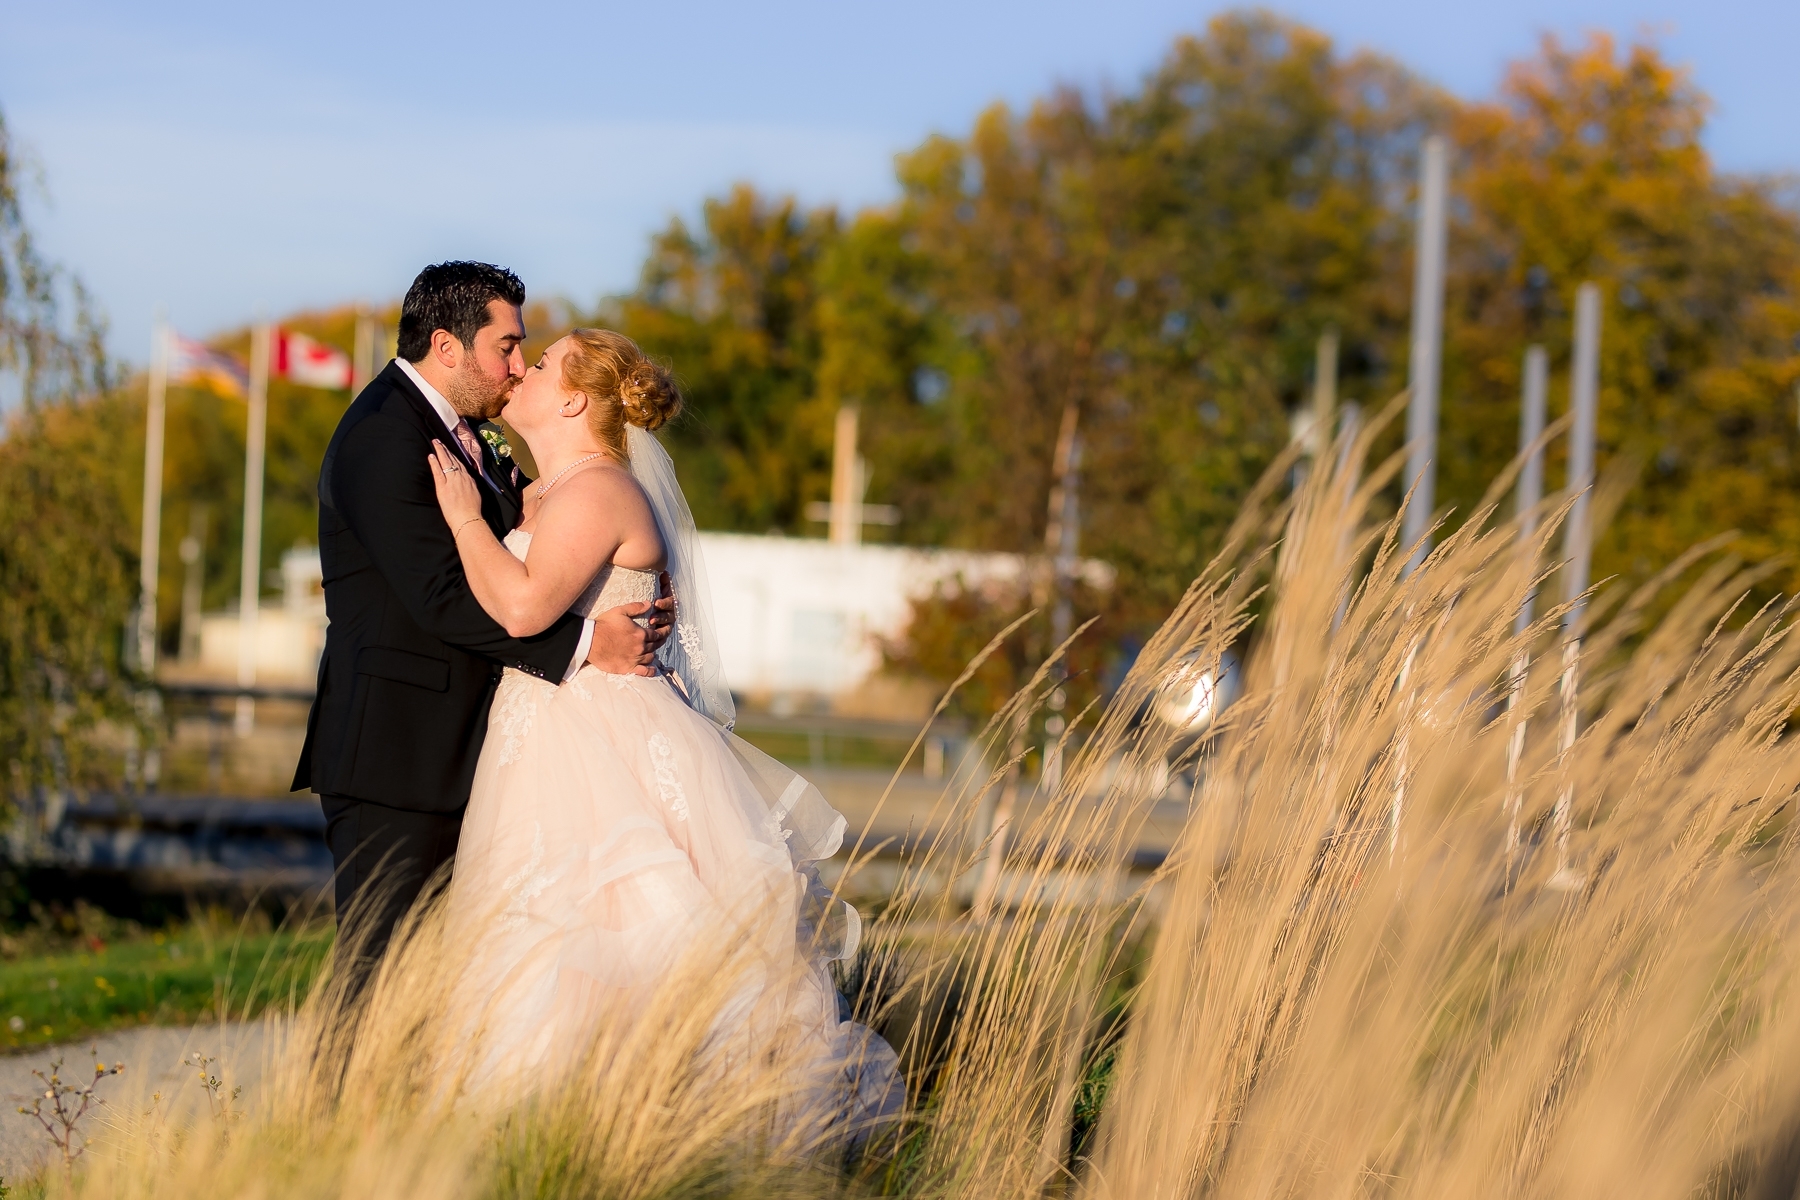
{"x": 472, "y": 447}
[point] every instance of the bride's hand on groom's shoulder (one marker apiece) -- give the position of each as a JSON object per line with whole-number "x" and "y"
{"x": 457, "y": 494}
{"x": 623, "y": 647}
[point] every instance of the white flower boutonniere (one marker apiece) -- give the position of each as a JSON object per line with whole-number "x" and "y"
{"x": 497, "y": 441}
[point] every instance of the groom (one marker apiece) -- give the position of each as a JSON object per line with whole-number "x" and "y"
{"x": 411, "y": 660}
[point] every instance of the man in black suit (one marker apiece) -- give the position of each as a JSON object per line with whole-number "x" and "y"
{"x": 411, "y": 660}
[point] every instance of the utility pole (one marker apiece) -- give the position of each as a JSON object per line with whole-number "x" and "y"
{"x": 1424, "y": 366}
{"x": 1311, "y": 426}
{"x": 1577, "y": 551}
{"x": 1531, "y": 492}
{"x": 250, "y": 578}
{"x": 845, "y": 525}
{"x": 846, "y": 514}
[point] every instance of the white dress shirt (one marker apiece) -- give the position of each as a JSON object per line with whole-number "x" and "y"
{"x": 451, "y": 420}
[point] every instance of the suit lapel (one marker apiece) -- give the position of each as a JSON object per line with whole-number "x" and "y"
{"x": 500, "y": 510}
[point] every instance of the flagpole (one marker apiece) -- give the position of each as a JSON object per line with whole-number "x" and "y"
{"x": 1424, "y": 368}
{"x": 1425, "y": 363}
{"x": 149, "y": 548}
{"x": 250, "y": 581}
{"x": 1531, "y": 492}
{"x": 1577, "y": 550}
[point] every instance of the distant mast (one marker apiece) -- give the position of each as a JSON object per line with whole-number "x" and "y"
{"x": 150, "y": 546}
{"x": 1584, "y": 401}
{"x": 1424, "y": 366}
{"x": 1578, "y": 546}
{"x": 250, "y": 577}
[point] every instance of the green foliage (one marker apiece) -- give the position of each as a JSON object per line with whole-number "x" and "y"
{"x": 66, "y": 587}
{"x": 71, "y": 480}
{"x": 958, "y": 620}
{"x": 64, "y": 581}
{"x": 735, "y": 308}
{"x": 1162, "y": 260}
{"x": 206, "y": 969}
{"x": 1165, "y": 258}
{"x": 882, "y": 338}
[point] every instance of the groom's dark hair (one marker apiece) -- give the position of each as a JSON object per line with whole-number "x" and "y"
{"x": 452, "y": 296}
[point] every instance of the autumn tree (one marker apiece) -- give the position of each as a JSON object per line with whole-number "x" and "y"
{"x": 1162, "y": 262}
{"x": 882, "y": 337}
{"x": 1590, "y": 166}
{"x": 1248, "y": 192}
{"x": 735, "y": 307}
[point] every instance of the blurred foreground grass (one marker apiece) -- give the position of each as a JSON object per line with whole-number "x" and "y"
{"x": 201, "y": 969}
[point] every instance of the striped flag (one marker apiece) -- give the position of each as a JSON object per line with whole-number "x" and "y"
{"x": 299, "y": 358}
{"x": 197, "y": 363}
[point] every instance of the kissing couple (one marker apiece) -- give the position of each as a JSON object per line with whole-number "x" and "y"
{"x": 520, "y": 678}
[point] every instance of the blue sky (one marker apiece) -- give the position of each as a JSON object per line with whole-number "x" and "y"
{"x": 222, "y": 159}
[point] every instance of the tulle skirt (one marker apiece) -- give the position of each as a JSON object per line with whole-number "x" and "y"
{"x": 616, "y": 846}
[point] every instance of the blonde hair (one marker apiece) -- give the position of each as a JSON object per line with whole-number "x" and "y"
{"x": 623, "y": 386}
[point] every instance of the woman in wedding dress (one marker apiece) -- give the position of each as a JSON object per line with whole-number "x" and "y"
{"x": 617, "y": 828}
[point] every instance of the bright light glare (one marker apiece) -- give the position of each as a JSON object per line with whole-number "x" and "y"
{"x": 1188, "y": 707}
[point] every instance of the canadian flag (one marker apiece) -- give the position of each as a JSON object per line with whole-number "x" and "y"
{"x": 299, "y": 358}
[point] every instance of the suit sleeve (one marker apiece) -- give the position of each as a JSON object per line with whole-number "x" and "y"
{"x": 380, "y": 487}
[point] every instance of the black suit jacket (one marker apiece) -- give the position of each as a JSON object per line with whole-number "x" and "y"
{"x": 411, "y": 660}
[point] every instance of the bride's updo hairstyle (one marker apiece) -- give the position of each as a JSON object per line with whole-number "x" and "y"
{"x": 624, "y": 386}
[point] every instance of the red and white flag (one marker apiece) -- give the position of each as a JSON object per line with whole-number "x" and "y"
{"x": 299, "y": 358}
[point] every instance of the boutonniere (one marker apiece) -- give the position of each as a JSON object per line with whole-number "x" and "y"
{"x": 496, "y": 442}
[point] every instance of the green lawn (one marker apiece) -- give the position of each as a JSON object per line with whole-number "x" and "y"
{"x": 175, "y": 976}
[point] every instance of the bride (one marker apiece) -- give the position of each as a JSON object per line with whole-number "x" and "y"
{"x": 617, "y": 829}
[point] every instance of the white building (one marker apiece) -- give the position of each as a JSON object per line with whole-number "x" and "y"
{"x": 797, "y": 617}
{"x": 290, "y": 632}
{"x": 803, "y": 616}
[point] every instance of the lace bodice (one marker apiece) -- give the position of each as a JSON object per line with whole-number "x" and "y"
{"x": 612, "y": 587}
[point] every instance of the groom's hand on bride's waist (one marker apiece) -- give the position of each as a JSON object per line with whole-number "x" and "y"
{"x": 622, "y": 646}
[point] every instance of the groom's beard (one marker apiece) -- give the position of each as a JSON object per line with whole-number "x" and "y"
{"x": 473, "y": 394}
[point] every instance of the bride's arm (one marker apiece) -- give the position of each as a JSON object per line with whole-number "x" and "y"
{"x": 572, "y": 540}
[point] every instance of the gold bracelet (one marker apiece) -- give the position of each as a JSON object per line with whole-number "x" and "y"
{"x": 462, "y": 527}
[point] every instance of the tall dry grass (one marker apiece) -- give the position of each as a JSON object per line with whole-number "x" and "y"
{"x": 1349, "y": 979}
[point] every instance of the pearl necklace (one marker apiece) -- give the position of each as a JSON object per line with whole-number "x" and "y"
{"x": 544, "y": 487}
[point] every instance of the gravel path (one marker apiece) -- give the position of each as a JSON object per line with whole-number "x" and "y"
{"x": 152, "y": 1057}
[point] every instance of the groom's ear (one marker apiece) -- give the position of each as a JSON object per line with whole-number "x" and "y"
{"x": 446, "y": 349}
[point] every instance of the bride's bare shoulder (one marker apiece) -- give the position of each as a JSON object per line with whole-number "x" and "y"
{"x": 606, "y": 499}
{"x": 605, "y": 491}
